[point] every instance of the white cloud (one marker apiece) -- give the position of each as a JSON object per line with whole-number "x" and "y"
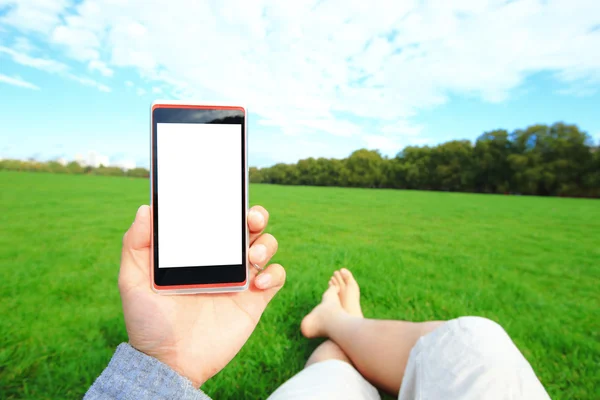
{"x": 391, "y": 145}
{"x": 402, "y": 128}
{"x": 89, "y": 82}
{"x": 93, "y": 159}
{"x": 156, "y": 90}
{"x": 124, "y": 164}
{"x": 267, "y": 151}
{"x": 79, "y": 42}
{"x": 43, "y": 64}
{"x": 395, "y": 136}
{"x": 51, "y": 66}
{"x": 23, "y": 45}
{"x": 140, "y": 91}
{"x": 101, "y": 67}
{"x": 33, "y": 15}
{"x": 331, "y": 66}
{"x": 578, "y": 91}
{"x": 128, "y": 83}
{"x": 17, "y": 81}
{"x": 307, "y": 125}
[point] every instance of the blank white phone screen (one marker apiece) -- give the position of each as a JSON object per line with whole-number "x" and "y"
{"x": 199, "y": 184}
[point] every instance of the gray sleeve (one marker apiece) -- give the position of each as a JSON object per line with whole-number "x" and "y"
{"x": 134, "y": 375}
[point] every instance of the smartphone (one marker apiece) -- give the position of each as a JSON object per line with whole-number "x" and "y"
{"x": 198, "y": 197}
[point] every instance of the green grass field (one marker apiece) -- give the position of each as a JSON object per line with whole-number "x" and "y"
{"x": 531, "y": 264}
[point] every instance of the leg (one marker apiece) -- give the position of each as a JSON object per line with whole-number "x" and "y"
{"x": 328, "y": 374}
{"x": 467, "y": 358}
{"x": 378, "y": 349}
{"x": 349, "y": 293}
{"x": 327, "y": 350}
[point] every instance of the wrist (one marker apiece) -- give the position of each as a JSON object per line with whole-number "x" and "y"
{"x": 198, "y": 376}
{"x": 133, "y": 374}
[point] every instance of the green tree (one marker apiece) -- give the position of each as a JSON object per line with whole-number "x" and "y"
{"x": 255, "y": 175}
{"x": 108, "y": 171}
{"x": 556, "y": 160}
{"x": 56, "y": 167}
{"x": 364, "y": 168}
{"x": 453, "y": 169}
{"x": 417, "y": 167}
{"x": 138, "y": 173}
{"x": 491, "y": 166}
{"x": 74, "y": 168}
{"x": 551, "y": 160}
{"x": 591, "y": 180}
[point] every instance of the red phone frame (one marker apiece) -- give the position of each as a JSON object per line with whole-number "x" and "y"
{"x": 171, "y": 288}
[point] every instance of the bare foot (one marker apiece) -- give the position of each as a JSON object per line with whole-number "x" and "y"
{"x": 348, "y": 291}
{"x": 313, "y": 325}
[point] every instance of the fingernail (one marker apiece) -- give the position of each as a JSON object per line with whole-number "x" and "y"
{"x": 259, "y": 253}
{"x": 138, "y": 214}
{"x": 263, "y": 280}
{"x": 257, "y": 217}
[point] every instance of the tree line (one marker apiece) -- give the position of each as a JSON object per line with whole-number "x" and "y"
{"x": 71, "y": 168}
{"x": 556, "y": 160}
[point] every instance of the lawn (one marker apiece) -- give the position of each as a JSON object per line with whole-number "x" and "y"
{"x": 532, "y": 264}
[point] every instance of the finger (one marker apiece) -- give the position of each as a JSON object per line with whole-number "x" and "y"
{"x": 258, "y": 218}
{"x": 262, "y": 289}
{"x": 262, "y": 250}
{"x": 273, "y": 277}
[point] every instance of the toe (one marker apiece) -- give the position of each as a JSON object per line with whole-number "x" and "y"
{"x": 339, "y": 279}
{"x": 346, "y": 275}
{"x": 331, "y": 292}
{"x": 334, "y": 284}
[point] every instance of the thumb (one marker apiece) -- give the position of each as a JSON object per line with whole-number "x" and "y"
{"x": 138, "y": 235}
{"x": 135, "y": 257}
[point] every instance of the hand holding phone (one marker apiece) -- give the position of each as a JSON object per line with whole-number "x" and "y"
{"x": 196, "y": 335}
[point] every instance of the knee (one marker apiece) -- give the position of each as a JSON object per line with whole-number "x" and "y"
{"x": 481, "y": 327}
{"x": 480, "y": 323}
{"x": 328, "y": 350}
{"x": 485, "y": 335}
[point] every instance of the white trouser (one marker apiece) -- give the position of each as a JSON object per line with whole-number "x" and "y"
{"x": 465, "y": 358}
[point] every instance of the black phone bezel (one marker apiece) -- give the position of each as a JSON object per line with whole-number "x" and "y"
{"x": 204, "y": 275}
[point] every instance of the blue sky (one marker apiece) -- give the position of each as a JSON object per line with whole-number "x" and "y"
{"x": 320, "y": 78}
